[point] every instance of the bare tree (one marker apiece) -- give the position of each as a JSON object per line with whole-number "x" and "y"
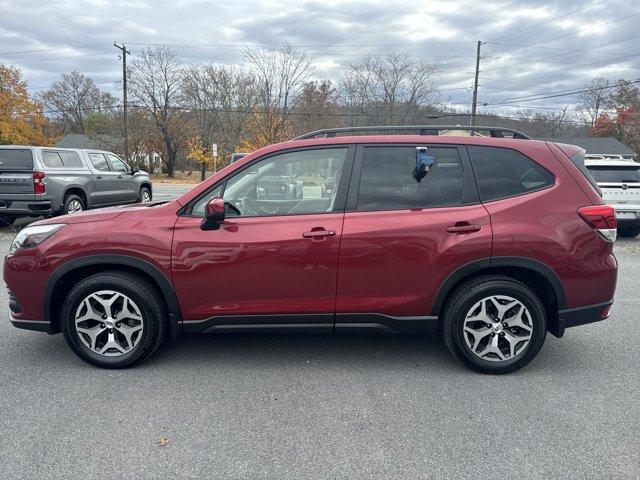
{"x": 75, "y": 98}
{"x": 221, "y": 100}
{"x": 317, "y": 107}
{"x": 593, "y": 99}
{"x": 280, "y": 75}
{"x": 390, "y": 89}
{"x": 155, "y": 82}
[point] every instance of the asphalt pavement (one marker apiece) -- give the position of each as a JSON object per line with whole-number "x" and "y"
{"x": 322, "y": 406}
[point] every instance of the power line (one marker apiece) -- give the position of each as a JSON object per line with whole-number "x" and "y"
{"x": 85, "y": 45}
{"x": 548, "y": 21}
{"x": 543, "y": 97}
{"x": 579, "y": 31}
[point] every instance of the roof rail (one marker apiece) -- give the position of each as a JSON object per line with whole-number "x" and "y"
{"x": 423, "y": 129}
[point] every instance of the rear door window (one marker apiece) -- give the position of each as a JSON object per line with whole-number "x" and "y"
{"x": 16, "y": 159}
{"x": 99, "y": 162}
{"x": 617, "y": 174}
{"x": 387, "y": 181}
{"x": 503, "y": 172}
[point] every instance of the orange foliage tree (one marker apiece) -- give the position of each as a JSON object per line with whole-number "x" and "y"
{"x": 22, "y": 120}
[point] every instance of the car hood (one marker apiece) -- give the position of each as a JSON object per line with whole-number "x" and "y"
{"x": 102, "y": 214}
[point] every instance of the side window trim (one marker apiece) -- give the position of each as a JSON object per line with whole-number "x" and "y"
{"x": 470, "y": 192}
{"x": 343, "y": 184}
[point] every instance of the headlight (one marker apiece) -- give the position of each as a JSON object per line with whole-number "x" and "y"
{"x": 34, "y": 236}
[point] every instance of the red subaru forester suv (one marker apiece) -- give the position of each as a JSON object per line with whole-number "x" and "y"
{"x": 492, "y": 238}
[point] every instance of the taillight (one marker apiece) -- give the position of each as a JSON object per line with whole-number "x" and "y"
{"x": 38, "y": 183}
{"x": 602, "y": 218}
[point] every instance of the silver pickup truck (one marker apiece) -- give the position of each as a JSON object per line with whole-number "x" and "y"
{"x": 48, "y": 181}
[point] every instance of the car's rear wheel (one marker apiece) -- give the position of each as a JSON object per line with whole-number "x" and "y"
{"x": 73, "y": 204}
{"x": 629, "y": 232}
{"x": 494, "y": 324}
{"x": 114, "y": 319}
{"x": 145, "y": 195}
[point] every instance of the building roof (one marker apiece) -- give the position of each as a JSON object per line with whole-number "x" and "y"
{"x": 596, "y": 145}
{"x": 92, "y": 142}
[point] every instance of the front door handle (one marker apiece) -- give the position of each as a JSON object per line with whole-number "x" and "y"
{"x": 119, "y": 176}
{"x": 99, "y": 177}
{"x": 318, "y": 232}
{"x": 464, "y": 227}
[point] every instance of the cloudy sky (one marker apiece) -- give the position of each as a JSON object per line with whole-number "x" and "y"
{"x": 533, "y": 48}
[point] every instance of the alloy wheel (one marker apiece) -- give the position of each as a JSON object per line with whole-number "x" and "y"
{"x": 146, "y": 196}
{"x": 109, "y": 323}
{"x": 498, "y": 328}
{"x": 74, "y": 206}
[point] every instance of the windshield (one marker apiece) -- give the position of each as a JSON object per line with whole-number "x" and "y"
{"x": 630, "y": 174}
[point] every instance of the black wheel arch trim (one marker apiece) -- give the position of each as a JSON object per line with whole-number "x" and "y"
{"x": 166, "y": 289}
{"x": 478, "y": 265}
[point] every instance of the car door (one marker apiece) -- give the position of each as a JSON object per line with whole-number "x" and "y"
{"x": 403, "y": 235}
{"x": 106, "y": 181}
{"x": 126, "y": 184}
{"x": 273, "y": 262}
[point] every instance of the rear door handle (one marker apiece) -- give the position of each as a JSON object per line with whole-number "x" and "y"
{"x": 318, "y": 232}
{"x": 464, "y": 227}
{"x": 119, "y": 176}
{"x": 99, "y": 177}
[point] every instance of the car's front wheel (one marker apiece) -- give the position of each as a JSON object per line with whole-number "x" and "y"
{"x": 628, "y": 232}
{"x": 113, "y": 319}
{"x": 494, "y": 324}
{"x": 144, "y": 196}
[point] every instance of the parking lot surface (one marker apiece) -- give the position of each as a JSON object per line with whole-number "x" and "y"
{"x": 312, "y": 406}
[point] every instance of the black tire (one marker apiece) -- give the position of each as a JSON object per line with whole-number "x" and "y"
{"x": 466, "y": 296}
{"x": 142, "y": 192}
{"x": 6, "y": 220}
{"x": 629, "y": 232}
{"x": 147, "y": 298}
{"x": 68, "y": 199}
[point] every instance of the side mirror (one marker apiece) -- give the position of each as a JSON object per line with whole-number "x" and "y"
{"x": 214, "y": 213}
{"x": 134, "y": 170}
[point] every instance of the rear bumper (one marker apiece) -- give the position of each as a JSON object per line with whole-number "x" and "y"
{"x": 574, "y": 317}
{"x": 26, "y": 208}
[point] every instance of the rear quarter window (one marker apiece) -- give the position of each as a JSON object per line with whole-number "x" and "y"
{"x": 16, "y": 159}
{"x": 61, "y": 159}
{"x": 503, "y": 172}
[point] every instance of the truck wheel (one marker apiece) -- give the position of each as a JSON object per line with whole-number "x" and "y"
{"x": 629, "y": 232}
{"x": 73, "y": 204}
{"x": 113, "y": 319}
{"x": 145, "y": 195}
{"x": 6, "y": 220}
{"x": 494, "y": 324}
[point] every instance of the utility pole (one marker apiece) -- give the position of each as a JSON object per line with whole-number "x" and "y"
{"x": 474, "y": 103}
{"x": 124, "y": 51}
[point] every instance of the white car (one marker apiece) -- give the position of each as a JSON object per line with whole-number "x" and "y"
{"x": 619, "y": 181}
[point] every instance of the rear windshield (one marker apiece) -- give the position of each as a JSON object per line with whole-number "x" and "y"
{"x": 578, "y": 161}
{"x": 16, "y": 159}
{"x": 630, "y": 174}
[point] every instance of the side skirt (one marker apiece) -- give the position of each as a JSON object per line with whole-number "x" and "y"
{"x": 313, "y": 323}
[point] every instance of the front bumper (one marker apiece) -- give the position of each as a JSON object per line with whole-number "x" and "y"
{"x": 35, "y": 325}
